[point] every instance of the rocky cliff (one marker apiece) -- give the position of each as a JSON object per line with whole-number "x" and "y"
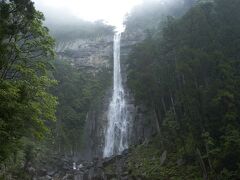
{"x": 95, "y": 127}
{"x": 94, "y": 55}
{"x": 88, "y": 54}
{"x": 96, "y": 120}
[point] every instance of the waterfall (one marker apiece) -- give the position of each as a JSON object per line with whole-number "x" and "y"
{"x": 116, "y": 136}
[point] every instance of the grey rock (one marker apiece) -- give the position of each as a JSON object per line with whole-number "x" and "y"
{"x": 42, "y": 172}
{"x": 51, "y": 173}
{"x": 48, "y": 177}
{"x": 67, "y": 177}
{"x": 163, "y": 157}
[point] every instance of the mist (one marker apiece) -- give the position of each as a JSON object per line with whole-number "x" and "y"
{"x": 110, "y": 12}
{"x": 62, "y": 12}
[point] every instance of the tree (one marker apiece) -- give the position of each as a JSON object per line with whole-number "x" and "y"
{"x": 25, "y": 53}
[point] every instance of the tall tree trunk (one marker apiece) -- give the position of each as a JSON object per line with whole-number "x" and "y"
{"x": 173, "y": 105}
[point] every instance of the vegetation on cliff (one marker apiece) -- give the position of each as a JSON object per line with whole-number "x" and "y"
{"x": 78, "y": 91}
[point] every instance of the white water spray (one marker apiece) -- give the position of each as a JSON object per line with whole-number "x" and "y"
{"x": 116, "y": 137}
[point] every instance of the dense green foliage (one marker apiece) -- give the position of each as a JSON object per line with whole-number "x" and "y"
{"x": 190, "y": 69}
{"x": 26, "y": 106}
{"x": 152, "y": 161}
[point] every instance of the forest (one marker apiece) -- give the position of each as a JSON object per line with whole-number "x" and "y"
{"x": 185, "y": 73}
{"x": 188, "y": 72}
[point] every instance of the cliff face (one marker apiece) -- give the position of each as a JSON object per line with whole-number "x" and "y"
{"x": 95, "y": 127}
{"x": 96, "y": 121}
{"x": 88, "y": 54}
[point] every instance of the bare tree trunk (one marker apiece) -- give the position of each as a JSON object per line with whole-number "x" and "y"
{"x": 157, "y": 122}
{"x": 203, "y": 167}
{"x": 207, "y": 150}
{"x": 164, "y": 105}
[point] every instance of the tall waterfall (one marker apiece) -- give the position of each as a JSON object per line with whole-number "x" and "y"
{"x": 116, "y": 137}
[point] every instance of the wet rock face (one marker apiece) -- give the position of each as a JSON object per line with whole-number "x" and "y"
{"x": 91, "y": 54}
{"x": 94, "y": 132}
{"x": 112, "y": 168}
{"x": 143, "y": 123}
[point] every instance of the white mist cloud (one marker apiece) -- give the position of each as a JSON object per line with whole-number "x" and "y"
{"x": 111, "y": 11}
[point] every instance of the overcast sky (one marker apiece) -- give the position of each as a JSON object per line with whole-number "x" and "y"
{"x": 111, "y": 11}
